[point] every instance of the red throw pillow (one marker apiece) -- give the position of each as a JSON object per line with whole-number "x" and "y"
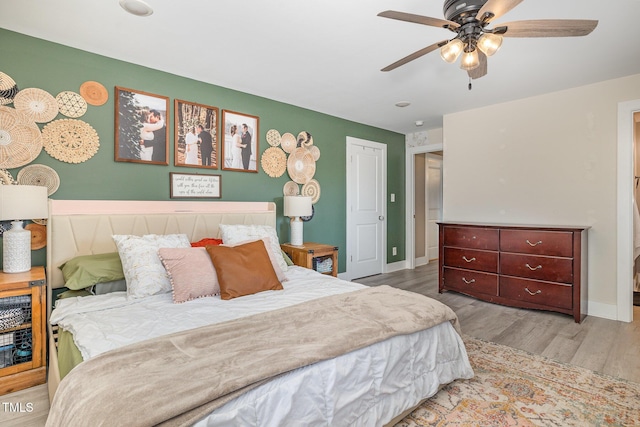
{"x": 206, "y": 241}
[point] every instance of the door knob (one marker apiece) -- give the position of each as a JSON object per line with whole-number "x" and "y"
{"x": 381, "y": 217}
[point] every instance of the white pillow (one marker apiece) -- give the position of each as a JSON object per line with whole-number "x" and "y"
{"x": 143, "y": 270}
{"x": 240, "y": 233}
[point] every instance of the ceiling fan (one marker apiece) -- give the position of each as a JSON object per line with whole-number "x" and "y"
{"x": 470, "y": 19}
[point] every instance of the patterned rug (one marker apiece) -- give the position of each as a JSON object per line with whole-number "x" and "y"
{"x": 515, "y": 388}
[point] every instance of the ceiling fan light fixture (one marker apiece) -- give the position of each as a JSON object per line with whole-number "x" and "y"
{"x": 489, "y": 43}
{"x": 470, "y": 60}
{"x": 450, "y": 51}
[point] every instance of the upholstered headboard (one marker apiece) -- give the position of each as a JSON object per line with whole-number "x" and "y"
{"x": 83, "y": 227}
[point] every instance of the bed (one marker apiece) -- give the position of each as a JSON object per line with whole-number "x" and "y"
{"x": 319, "y": 351}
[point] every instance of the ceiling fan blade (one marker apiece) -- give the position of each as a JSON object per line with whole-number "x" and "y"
{"x": 549, "y": 28}
{"x": 418, "y": 19}
{"x": 480, "y": 70}
{"x": 496, "y": 8}
{"x": 415, "y": 55}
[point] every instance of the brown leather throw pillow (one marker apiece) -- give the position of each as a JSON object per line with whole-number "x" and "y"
{"x": 243, "y": 270}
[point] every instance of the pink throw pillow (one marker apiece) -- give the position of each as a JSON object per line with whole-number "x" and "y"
{"x": 191, "y": 273}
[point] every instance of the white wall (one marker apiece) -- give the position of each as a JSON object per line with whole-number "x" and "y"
{"x": 548, "y": 160}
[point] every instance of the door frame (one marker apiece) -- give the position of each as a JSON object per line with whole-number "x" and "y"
{"x": 410, "y": 153}
{"x": 626, "y": 125}
{"x": 351, "y": 141}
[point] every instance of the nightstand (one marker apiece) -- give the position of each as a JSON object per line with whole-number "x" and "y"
{"x": 316, "y": 256}
{"x": 23, "y": 358}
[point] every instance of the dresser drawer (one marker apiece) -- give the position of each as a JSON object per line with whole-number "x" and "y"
{"x": 551, "y": 269}
{"x": 537, "y": 292}
{"x": 471, "y": 237}
{"x": 471, "y": 259}
{"x": 553, "y": 243}
{"x": 468, "y": 281}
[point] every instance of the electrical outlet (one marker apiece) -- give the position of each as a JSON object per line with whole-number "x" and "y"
{"x": 394, "y": 251}
{"x": 393, "y": 197}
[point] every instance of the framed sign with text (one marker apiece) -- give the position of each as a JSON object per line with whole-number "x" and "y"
{"x": 192, "y": 185}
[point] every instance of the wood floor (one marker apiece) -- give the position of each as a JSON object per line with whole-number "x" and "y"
{"x": 606, "y": 346}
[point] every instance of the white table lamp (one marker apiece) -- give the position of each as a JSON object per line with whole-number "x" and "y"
{"x": 17, "y": 203}
{"x": 295, "y": 207}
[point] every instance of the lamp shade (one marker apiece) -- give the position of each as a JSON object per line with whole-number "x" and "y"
{"x": 19, "y": 202}
{"x": 489, "y": 43}
{"x": 450, "y": 51}
{"x": 295, "y": 206}
{"x": 470, "y": 60}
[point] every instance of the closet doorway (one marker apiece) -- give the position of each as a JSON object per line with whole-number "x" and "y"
{"x": 411, "y": 222}
{"x": 636, "y": 207}
{"x": 627, "y": 113}
{"x": 428, "y": 205}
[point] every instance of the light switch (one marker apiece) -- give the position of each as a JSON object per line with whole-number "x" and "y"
{"x": 393, "y": 197}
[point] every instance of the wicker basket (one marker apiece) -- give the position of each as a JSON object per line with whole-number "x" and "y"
{"x": 11, "y": 318}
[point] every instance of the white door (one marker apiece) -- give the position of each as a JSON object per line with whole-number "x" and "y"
{"x": 366, "y": 207}
{"x": 434, "y": 204}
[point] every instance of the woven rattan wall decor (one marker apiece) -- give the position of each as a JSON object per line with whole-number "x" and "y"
{"x": 70, "y": 140}
{"x": 20, "y": 138}
{"x": 299, "y": 156}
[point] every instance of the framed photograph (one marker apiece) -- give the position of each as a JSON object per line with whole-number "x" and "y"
{"x": 142, "y": 133}
{"x": 240, "y": 142}
{"x": 193, "y": 185}
{"x": 196, "y": 135}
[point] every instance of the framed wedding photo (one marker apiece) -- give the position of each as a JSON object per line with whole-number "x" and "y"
{"x": 141, "y": 128}
{"x": 240, "y": 142}
{"x": 196, "y": 135}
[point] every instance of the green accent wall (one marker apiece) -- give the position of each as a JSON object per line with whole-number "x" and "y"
{"x": 33, "y": 62}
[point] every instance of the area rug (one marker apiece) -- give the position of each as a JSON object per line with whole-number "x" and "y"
{"x": 515, "y": 388}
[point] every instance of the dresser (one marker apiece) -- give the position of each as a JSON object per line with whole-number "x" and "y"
{"x": 537, "y": 267}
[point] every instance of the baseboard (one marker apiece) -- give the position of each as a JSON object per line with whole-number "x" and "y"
{"x": 395, "y": 266}
{"x": 606, "y": 311}
{"x": 423, "y": 260}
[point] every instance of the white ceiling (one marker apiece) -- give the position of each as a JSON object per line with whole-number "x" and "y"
{"x": 327, "y": 55}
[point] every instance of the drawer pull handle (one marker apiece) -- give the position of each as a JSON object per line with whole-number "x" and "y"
{"x": 539, "y": 242}
{"x": 533, "y": 293}
{"x": 468, "y": 260}
{"x": 533, "y": 268}
{"x": 468, "y": 282}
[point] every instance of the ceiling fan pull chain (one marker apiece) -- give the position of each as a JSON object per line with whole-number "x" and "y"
{"x": 470, "y": 85}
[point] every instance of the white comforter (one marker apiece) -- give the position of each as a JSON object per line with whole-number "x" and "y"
{"x": 366, "y": 387}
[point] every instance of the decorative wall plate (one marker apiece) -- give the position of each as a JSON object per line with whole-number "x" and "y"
{"x": 273, "y": 137}
{"x": 94, "y": 93}
{"x": 274, "y": 162}
{"x": 6, "y": 178}
{"x": 310, "y": 217}
{"x": 311, "y": 189}
{"x": 70, "y": 140}
{"x": 290, "y": 189}
{"x": 305, "y": 139}
{"x": 38, "y": 104}
{"x": 315, "y": 152}
{"x": 301, "y": 166}
{"x": 41, "y": 175}
{"x": 288, "y": 142}
{"x": 20, "y": 138}
{"x": 8, "y": 89}
{"x": 71, "y": 104}
{"x": 38, "y": 236}
{"x": 5, "y": 226}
